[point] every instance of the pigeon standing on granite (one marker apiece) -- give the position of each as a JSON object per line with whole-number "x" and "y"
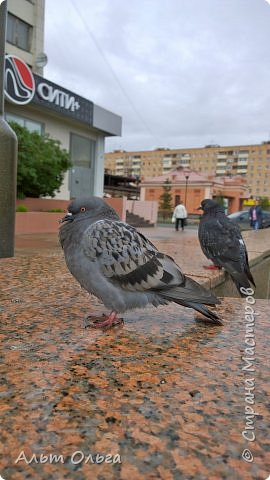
{"x": 222, "y": 242}
{"x": 117, "y": 264}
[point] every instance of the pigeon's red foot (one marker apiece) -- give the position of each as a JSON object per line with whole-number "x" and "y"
{"x": 110, "y": 321}
{"x": 212, "y": 267}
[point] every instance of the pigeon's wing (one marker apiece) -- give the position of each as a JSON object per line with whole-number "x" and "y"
{"x": 222, "y": 242}
{"x": 128, "y": 259}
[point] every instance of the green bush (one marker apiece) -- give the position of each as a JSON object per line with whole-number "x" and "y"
{"x": 42, "y": 163}
{"x": 21, "y": 208}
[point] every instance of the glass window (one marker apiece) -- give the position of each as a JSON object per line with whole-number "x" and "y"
{"x": 19, "y": 33}
{"x": 82, "y": 151}
{"x": 14, "y": 118}
{"x": 31, "y": 125}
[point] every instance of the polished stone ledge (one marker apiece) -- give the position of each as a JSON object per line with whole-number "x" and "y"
{"x": 166, "y": 391}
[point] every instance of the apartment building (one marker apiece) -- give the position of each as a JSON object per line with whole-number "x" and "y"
{"x": 250, "y": 161}
{"x": 25, "y": 32}
{"x": 136, "y": 164}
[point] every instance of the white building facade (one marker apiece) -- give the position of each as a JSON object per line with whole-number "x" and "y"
{"x": 41, "y": 105}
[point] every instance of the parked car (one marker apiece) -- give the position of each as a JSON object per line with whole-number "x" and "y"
{"x": 242, "y": 219}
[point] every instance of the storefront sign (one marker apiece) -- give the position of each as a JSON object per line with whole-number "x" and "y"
{"x": 23, "y": 87}
{"x": 19, "y": 81}
{"x": 58, "y": 97}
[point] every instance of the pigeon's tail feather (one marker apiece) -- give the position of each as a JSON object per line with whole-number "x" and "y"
{"x": 250, "y": 277}
{"x": 243, "y": 280}
{"x": 190, "y": 291}
{"x": 205, "y": 311}
{"x": 202, "y": 309}
{"x": 193, "y": 295}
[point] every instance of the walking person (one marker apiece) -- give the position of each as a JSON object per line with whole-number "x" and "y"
{"x": 255, "y": 216}
{"x": 179, "y": 216}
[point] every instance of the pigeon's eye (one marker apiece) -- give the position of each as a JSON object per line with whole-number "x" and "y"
{"x": 83, "y": 209}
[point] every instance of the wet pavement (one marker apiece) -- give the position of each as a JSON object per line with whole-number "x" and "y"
{"x": 164, "y": 394}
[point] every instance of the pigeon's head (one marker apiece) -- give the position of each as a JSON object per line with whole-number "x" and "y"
{"x": 90, "y": 208}
{"x": 208, "y": 205}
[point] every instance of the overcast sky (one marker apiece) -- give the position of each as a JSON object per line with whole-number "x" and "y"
{"x": 181, "y": 73}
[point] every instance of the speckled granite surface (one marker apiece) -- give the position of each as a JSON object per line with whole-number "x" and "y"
{"x": 166, "y": 392}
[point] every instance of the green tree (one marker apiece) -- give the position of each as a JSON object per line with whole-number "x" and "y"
{"x": 41, "y": 163}
{"x": 165, "y": 200}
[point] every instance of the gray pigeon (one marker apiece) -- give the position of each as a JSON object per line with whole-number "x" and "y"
{"x": 222, "y": 242}
{"x": 117, "y": 264}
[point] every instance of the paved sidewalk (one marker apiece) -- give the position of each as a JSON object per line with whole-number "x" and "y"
{"x": 166, "y": 391}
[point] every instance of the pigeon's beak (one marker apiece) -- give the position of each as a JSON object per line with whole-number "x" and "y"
{"x": 199, "y": 208}
{"x": 67, "y": 218}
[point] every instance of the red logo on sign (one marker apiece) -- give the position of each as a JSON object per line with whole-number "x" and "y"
{"x": 19, "y": 81}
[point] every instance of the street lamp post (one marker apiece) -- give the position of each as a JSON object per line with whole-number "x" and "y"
{"x": 187, "y": 177}
{"x": 8, "y": 158}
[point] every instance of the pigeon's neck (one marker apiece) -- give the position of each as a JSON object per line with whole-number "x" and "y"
{"x": 110, "y": 214}
{"x": 71, "y": 232}
{"x": 68, "y": 234}
{"x": 215, "y": 213}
